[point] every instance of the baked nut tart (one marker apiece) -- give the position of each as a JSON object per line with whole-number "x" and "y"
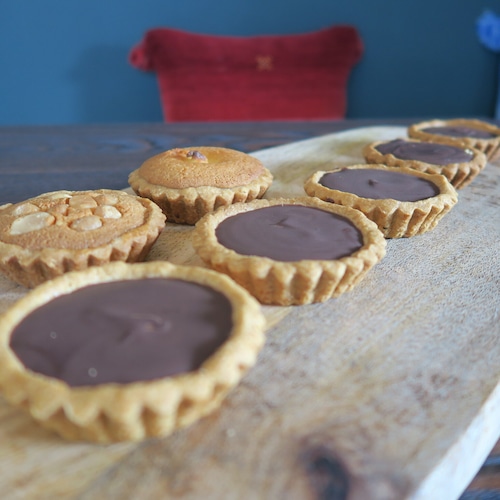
{"x": 187, "y": 183}
{"x": 124, "y": 351}
{"x": 468, "y": 133}
{"x": 62, "y": 231}
{"x": 458, "y": 164}
{"x": 402, "y": 201}
{"x": 290, "y": 251}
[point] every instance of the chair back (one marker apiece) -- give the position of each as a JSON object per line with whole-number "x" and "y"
{"x": 268, "y": 77}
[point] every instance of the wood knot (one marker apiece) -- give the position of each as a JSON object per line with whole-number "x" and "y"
{"x": 326, "y": 475}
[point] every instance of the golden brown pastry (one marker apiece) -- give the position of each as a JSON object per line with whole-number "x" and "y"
{"x": 187, "y": 183}
{"x": 62, "y": 231}
{"x": 124, "y": 351}
{"x": 403, "y": 202}
{"x": 290, "y": 251}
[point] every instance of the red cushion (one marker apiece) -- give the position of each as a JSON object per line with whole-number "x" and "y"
{"x": 280, "y": 77}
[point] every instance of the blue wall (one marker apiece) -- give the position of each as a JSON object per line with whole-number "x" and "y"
{"x": 65, "y": 61}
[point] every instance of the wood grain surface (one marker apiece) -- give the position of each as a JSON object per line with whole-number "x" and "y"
{"x": 390, "y": 391}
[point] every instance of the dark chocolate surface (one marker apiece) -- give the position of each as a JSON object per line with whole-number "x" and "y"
{"x": 460, "y": 131}
{"x": 124, "y": 331}
{"x": 380, "y": 184}
{"x": 290, "y": 233}
{"x": 428, "y": 152}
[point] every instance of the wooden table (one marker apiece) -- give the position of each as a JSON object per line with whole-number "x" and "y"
{"x": 297, "y": 454}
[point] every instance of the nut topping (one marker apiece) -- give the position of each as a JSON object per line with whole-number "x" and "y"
{"x": 82, "y": 201}
{"x": 106, "y": 199}
{"x": 107, "y": 212}
{"x": 187, "y": 154}
{"x": 81, "y": 212}
{"x": 60, "y": 208}
{"x": 57, "y": 195}
{"x": 86, "y": 223}
{"x": 31, "y": 222}
{"x": 24, "y": 209}
{"x": 78, "y": 213}
{"x": 196, "y": 155}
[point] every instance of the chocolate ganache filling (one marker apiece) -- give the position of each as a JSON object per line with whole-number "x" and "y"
{"x": 436, "y": 154}
{"x": 380, "y": 184}
{"x": 290, "y": 233}
{"x": 124, "y": 331}
{"x": 460, "y": 131}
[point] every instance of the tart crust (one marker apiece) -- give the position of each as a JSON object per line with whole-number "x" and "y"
{"x": 289, "y": 283}
{"x": 130, "y": 412}
{"x": 459, "y": 174}
{"x": 127, "y": 227}
{"x": 188, "y": 189}
{"x": 396, "y": 219}
{"x": 490, "y": 147}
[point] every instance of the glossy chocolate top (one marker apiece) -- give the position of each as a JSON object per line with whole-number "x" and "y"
{"x": 428, "y": 152}
{"x": 460, "y": 131}
{"x": 290, "y": 233}
{"x": 380, "y": 184}
{"x": 124, "y": 331}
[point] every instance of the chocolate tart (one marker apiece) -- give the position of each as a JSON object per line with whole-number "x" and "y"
{"x": 401, "y": 201}
{"x": 187, "y": 183}
{"x": 458, "y": 164}
{"x": 469, "y": 133}
{"x": 124, "y": 351}
{"x": 62, "y": 231}
{"x": 290, "y": 251}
